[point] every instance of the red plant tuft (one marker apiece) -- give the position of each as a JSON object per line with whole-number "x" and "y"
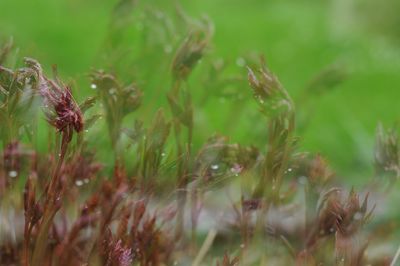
{"x": 61, "y": 109}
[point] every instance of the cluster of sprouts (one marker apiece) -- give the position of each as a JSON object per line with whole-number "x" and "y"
{"x": 166, "y": 196}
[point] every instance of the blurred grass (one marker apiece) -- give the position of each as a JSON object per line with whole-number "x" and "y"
{"x": 299, "y": 38}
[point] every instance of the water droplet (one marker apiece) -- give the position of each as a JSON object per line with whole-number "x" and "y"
{"x": 240, "y": 62}
{"x": 93, "y": 86}
{"x": 214, "y": 166}
{"x": 112, "y": 91}
{"x": 12, "y": 173}
{"x": 288, "y": 170}
{"x": 259, "y": 99}
{"x": 168, "y": 49}
{"x": 86, "y": 180}
{"x": 163, "y": 154}
{"x": 79, "y": 183}
{"x": 358, "y": 216}
{"x": 86, "y": 130}
{"x": 236, "y": 169}
{"x": 303, "y": 180}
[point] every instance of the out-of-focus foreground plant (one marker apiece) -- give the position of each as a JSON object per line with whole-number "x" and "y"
{"x": 166, "y": 201}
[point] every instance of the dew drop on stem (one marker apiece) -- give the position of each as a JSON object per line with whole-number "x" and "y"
{"x": 12, "y": 173}
{"x": 358, "y": 216}
{"x": 214, "y": 166}
{"x": 303, "y": 180}
{"x": 112, "y": 91}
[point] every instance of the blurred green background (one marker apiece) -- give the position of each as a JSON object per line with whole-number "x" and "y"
{"x": 298, "y": 38}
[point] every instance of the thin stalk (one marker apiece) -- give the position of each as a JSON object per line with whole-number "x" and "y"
{"x": 182, "y": 171}
{"x": 205, "y": 247}
{"x": 41, "y": 241}
{"x": 27, "y": 234}
{"x": 50, "y": 209}
{"x": 195, "y": 212}
{"x": 396, "y": 257}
